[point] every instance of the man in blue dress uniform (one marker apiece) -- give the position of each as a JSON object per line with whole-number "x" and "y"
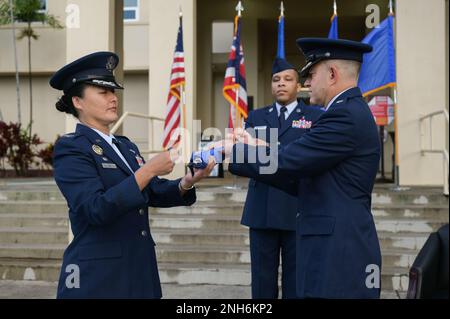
{"x": 270, "y": 212}
{"x": 338, "y": 253}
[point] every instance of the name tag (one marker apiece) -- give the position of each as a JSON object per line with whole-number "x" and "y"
{"x": 260, "y": 127}
{"x": 109, "y": 165}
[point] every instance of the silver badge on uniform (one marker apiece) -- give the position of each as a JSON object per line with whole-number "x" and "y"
{"x": 109, "y": 165}
{"x": 97, "y": 150}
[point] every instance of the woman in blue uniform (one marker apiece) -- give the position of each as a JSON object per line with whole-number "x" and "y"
{"x": 108, "y": 188}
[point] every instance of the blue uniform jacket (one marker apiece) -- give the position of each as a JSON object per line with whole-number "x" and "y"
{"x": 267, "y": 207}
{"x": 338, "y": 253}
{"x": 112, "y": 246}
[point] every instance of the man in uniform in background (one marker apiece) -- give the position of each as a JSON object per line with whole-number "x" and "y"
{"x": 269, "y": 212}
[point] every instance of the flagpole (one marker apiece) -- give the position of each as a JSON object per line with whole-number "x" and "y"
{"x": 239, "y": 9}
{"x": 396, "y": 176}
{"x": 183, "y": 104}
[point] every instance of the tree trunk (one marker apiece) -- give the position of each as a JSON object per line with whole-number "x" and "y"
{"x": 19, "y": 115}
{"x": 30, "y": 80}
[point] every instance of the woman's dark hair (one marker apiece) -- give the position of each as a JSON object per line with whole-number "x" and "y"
{"x": 65, "y": 104}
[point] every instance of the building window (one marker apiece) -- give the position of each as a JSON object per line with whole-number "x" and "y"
{"x": 43, "y": 8}
{"x": 131, "y": 10}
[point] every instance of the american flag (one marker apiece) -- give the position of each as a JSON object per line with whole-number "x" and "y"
{"x": 235, "y": 86}
{"x": 175, "y": 98}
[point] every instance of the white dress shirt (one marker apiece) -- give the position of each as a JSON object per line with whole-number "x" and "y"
{"x": 290, "y": 107}
{"x": 109, "y": 139}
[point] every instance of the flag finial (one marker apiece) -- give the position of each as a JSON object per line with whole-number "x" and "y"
{"x": 282, "y": 8}
{"x": 391, "y": 8}
{"x": 181, "y": 12}
{"x": 335, "y": 7}
{"x": 239, "y": 8}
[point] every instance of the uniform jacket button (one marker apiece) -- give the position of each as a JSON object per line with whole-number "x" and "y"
{"x": 141, "y": 211}
{"x": 144, "y": 233}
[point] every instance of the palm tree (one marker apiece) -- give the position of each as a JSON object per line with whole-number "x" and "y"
{"x": 5, "y": 18}
{"x": 28, "y": 11}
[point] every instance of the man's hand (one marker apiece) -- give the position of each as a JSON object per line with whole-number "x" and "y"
{"x": 239, "y": 135}
{"x": 242, "y": 136}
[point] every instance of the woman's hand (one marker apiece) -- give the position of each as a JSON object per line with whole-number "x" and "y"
{"x": 188, "y": 181}
{"x": 161, "y": 164}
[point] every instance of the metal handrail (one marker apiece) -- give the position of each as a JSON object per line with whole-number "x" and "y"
{"x": 119, "y": 123}
{"x": 444, "y": 152}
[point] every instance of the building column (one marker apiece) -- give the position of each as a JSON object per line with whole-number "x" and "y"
{"x": 100, "y": 29}
{"x": 422, "y": 71}
{"x": 163, "y": 29}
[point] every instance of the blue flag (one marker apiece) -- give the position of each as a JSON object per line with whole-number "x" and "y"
{"x": 333, "y": 34}
{"x": 280, "y": 52}
{"x": 378, "y": 67}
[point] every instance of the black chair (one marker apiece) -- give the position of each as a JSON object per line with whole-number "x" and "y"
{"x": 428, "y": 276}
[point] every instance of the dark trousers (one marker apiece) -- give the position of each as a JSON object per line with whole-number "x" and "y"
{"x": 266, "y": 246}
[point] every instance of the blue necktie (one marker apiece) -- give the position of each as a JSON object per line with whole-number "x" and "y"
{"x": 282, "y": 117}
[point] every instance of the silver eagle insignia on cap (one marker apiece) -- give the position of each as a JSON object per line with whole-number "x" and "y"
{"x": 111, "y": 64}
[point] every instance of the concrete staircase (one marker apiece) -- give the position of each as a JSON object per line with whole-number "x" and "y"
{"x": 203, "y": 244}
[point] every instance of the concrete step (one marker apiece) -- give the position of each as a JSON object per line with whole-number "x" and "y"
{"x": 33, "y": 207}
{"x": 221, "y": 195}
{"x": 429, "y": 212}
{"x": 240, "y": 254}
{"x": 204, "y": 274}
{"x": 29, "y": 269}
{"x": 30, "y": 235}
{"x": 410, "y": 241}
{"x": 392, "y": 279}
{"x": 32, "y": 251}
{"x": 415, "y": 196}
{"x": 407, "y": 241}
{"x": 31, "y": 195}
{"x": 32, "y": 220}
{"x": 203, "y": 254}
{"x": 204, "y": 237}
{"x": 213, "y": 208}
{"x": 195, "y": 221}
{"x": 205, "y": 193}
{"x": 416, "y": 226}
{"x": 398, "y": 258}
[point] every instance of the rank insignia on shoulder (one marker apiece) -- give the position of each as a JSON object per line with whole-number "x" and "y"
{"x": 97, "y": 150}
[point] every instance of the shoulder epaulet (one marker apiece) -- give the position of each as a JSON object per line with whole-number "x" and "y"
{"x": 122, "y": 137}
{"x": 70, "y": 135}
